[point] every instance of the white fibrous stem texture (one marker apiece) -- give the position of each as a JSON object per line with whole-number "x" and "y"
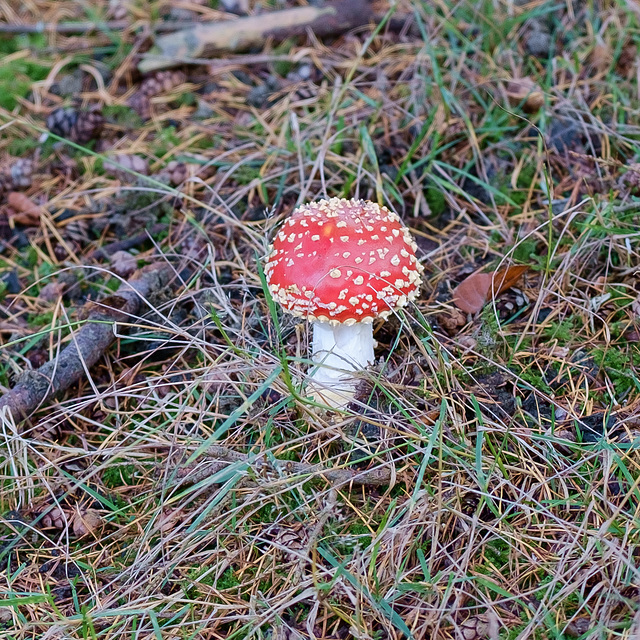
{"x": 339, "y": 350}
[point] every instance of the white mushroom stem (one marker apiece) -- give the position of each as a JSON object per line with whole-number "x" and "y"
{"x": 339, "y": 350}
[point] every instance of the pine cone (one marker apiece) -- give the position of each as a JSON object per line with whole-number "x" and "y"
{"x": 61, "y": 121}
{"x": 140, "y": 104}
{"x": 74, "y": 125}
{"x": 160, "y": 82}
{"x": 15, "y": 173}
{"x": 21, "y": 172}
{"x": 77, "y": 230}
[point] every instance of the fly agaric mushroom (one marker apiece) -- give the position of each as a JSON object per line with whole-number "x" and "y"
{"x": 341, "y": 264}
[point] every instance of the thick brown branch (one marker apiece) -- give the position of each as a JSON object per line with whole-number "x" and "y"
{"x": 87, "y": 345}
{"x": 218, "y": 458}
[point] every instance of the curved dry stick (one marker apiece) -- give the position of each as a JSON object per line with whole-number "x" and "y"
{"x": 218, "y": 458}
{"x": 87, "y": 345}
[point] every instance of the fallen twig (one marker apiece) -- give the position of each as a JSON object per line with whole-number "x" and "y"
{"x": 219, "y": 458}
{"x": 396, "y": 23}
{"x": 207, "y": 39}
{"x": 64, "y": 28}
{"x": 87, "y": 345}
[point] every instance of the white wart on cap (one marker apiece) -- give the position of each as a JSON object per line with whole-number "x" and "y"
{"x": 343, "y": 261}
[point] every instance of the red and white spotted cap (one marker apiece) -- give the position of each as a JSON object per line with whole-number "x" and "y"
{"x": 343, "y": 261}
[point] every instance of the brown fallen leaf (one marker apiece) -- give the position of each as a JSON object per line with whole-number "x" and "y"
{"x": 601, "y": 57}
{"x": 123, "y": 263}
{"x": 85, "y": 522}
{"x": 472, "y": 293}
{"x": 525, "y": 92}
{"x": 627, "y": 60}
{"x": 169, "y": 519}
{"x": 51, "y": 291}
{"x": 451, "y": 321}
{"x": 27, "y": 212}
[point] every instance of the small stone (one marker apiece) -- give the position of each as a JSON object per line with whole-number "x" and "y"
{"x": 208, "y": 87}
{"x": 11, "y": 282}
{"x": 69, "y": 84}
{"x": 203, "y": 111}
{"x": 239, "y": 7}
{"x": 538, "y": 44}
{"x": 595, "y": 427}
{"x": 564, "y": 434}
{"x": 20, "y": 241}
{"x": 260, "y": 96}
{"x": 305, "y": 71}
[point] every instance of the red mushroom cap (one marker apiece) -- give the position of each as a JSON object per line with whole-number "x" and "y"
{"x": 343, "y": 261}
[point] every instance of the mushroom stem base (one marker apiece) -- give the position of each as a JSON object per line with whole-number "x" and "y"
{"x": 338, "y": 352}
